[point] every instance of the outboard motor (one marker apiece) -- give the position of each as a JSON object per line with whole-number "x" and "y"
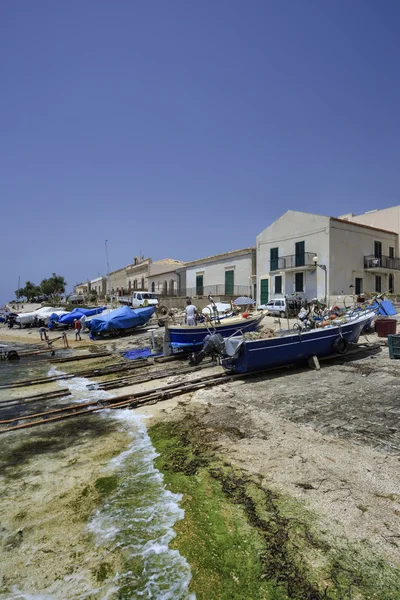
{"x": 213, "y": 345}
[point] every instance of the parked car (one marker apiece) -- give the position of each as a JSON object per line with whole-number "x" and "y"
{"x": 284, "y": 306}
{"x": 277, "y": 306}
{"x": 76, "y": 299}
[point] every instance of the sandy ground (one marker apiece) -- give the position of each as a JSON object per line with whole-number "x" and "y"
{"x": 329, "y": 438}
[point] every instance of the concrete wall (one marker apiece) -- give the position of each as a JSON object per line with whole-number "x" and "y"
{"x": 164, "y": 277}
{"x": 387, "y": 218}
{"x": 292, "y": 227}
{"x": 117, "y": 280}
{"x": 99, "y": 285}
{"x": 214, "y": 272}
{"x": 349, "y": 244}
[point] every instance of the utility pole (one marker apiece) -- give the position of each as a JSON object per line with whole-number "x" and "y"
{"x": 19, "y": 285}
{"x": 108, "y": 270}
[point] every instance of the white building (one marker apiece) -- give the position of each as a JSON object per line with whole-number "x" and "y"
{"x": 318, "y": 256}
{"x": 98, "y": 285}
{"x": 163, "y": 278}
{"x": 227, "y": 274}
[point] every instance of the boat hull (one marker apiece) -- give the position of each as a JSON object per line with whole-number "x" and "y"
{"x": 257, "y": 355}
{"x": 186, "y": 337}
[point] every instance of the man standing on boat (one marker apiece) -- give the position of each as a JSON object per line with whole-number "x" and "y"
{"x": 191, "y": 312}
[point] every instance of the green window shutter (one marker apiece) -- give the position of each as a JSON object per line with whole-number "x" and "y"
{"x": 264, "y": 291}
{"x": 300, "y": 254}
{"x": 299, "y": 282}
{"x": 229, "y": 281}
{"x": 273, "y": 256}
{"x": 199, "y": 285}
{"x": 278, "y": 284}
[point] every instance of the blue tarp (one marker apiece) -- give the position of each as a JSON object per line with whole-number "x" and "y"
{"x": 386, "y": 308}
{"x": 139, "y": 353}
{"x": 121, "y": 318}
{"x": 77, "y": 313}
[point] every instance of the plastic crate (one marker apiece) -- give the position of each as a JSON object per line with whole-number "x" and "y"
{"x": 394, "y": 345}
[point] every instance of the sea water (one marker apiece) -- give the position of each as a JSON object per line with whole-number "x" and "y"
{"x": 135, "y": 520}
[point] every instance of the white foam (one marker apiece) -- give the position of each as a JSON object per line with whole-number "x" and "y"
{"x": 138, "y": 516}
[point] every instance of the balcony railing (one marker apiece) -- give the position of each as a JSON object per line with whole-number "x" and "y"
{"x": 219, "y": 290}
{"x": 382, "y": 262}
{"x": 293, "y": 261}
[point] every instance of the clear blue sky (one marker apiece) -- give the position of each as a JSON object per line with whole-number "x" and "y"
{"x": 182, "y": 129}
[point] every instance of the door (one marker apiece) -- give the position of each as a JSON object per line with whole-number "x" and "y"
{"x": 229, "y": 279}
{"x": 378, "y": 249}
{"x": 391, "y": 283}
{"x": 278, "y": 284}
{"x": 199, "y": 285}
{"x": 299, "y": 282}
{"x": 359, "y": 286}
{"x": 300, "y": 254}
{"x": 264, "y": 291}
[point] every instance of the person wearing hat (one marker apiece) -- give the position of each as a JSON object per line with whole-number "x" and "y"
{"x": 77, "y": 327}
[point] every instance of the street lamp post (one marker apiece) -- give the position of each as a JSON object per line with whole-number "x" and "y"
{"x": 323, "y": 267}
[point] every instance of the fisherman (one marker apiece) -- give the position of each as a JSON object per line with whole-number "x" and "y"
{"x": 77, "y": 327}
{"x": 43, "y": 333}
{"x": 191, "y": 313}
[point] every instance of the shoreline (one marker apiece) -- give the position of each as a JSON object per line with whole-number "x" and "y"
{"x": 295, "y": 436}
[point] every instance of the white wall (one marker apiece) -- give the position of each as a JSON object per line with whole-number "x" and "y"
{"x": 214, "y": 272}
{"x": 349, "y": 244}
{"x": 292, "y": 227}
{"x": 387, "y": 218}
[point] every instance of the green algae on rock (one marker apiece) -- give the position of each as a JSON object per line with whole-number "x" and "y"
{"x": 245, "y": 541}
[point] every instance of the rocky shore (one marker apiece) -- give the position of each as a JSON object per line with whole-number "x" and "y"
{"x": 310, "y": 459}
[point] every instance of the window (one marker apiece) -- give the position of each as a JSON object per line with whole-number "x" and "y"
{"x": 299, "y": 282}
{"x": 199, "y": 285}
{"x": 378, "y": 249}
{"x": 378, "y": 283}
{"x": 391, "y": 283}
{"x": 273, "y": 257}
{"x": 278, "y": 284}
{"x": 359, "y": 286}
{"x": 300, "y": 254}
{"x": 229, "y": 279}
{"x": 391, "y": 252}
{"x": 142, "y": 283}
{"x": 153, "y": 286}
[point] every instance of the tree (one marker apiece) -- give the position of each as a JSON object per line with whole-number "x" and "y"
{"x": 54, "y": 286}
{"x": 30, "y": 291}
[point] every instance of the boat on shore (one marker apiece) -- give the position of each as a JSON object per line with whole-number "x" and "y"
{"x": 120, "y": 321}
{"x": 240, "y": 355}
{"x": 186, "y": 337}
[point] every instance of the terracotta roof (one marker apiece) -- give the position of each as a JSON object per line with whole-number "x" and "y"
{"x": 362, "y": 225}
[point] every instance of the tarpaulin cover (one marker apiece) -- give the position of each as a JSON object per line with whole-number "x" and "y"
{"x": 243, "y": 301}
{"x": 77, "y": 313}
{"x": 121, "y": 318}
{"x": 139, "y": 353}
{"x": 386, "y": 308}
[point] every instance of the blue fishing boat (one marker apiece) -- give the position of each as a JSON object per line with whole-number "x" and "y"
{"x": 186, "y": 337}
{"x": 238, "y": 355}
{"x": 120, "y": 321}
